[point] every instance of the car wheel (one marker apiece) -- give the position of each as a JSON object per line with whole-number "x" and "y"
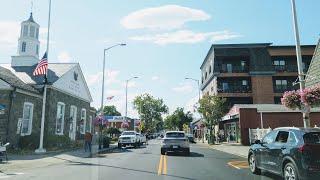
{"x": 135, "y": 145}
{"x": 253, "y": 165}
{"x": 187, "y": 153}
{"x": 290, "y": 172}
{"x": 119, "y": 145}
{"x": 163, "y": 152}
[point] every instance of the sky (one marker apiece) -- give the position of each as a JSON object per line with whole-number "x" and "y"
{"x": 167, "y": 40}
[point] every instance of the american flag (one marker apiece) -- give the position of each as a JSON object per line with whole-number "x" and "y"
{"x": 110, "y": 97}
{"x": 42, "y": 66}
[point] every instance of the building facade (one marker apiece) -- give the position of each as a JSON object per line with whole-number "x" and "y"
{"x": 68, "y": 111}
{"x": 252, "y": 73}
{"x": 313, "y": 75}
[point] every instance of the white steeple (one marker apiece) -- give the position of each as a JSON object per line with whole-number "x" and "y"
{"x": 28, "y": 44}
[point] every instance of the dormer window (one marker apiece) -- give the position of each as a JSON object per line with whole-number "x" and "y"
{"x": 25, "y": 30}
{"x": 23, "y": 47}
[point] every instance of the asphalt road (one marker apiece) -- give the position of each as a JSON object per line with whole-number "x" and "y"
{"x": 147, "y": 163}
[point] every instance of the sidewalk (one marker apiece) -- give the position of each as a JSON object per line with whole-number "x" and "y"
{"x": 23, "y": 162}
{"x": 231, "y": 148}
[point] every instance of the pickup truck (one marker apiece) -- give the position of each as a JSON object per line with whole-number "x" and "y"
{"x": 129, "y": 138}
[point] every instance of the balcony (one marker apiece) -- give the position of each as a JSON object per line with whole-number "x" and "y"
{"x": 286, "y": 68}
{"x": 227, "y": 68}
{"x": 282, "y": 89}
{"x": 234, "y": 89}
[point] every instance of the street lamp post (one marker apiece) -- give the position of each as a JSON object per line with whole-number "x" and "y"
{"x": 199, "y": 97}
{"x": 127, "y": 81}
{"x": 306, "y": 109}
{"x": 102, "y": 89}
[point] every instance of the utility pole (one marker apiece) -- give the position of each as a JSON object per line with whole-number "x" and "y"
{"x": 305, "y": 108}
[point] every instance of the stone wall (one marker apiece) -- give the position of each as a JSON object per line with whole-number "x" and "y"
{"x": 53, "y": 97}
{"x": 5, "y": 101}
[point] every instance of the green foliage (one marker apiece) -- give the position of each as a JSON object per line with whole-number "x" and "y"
{"x": 54, "y": 141}
{"x": 212, "y": 108}
{"x": 150, "y": 111}
{"x": 111, "y": 111}
{"x": 112, "y": 131}
{"x": 178, "y": 119}
{"x": 29, "y": 142}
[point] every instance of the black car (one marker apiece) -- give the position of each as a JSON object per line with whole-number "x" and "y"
{"x": 293, "y": 153}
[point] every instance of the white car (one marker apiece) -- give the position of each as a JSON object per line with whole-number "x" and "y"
{"x": 142, "y": 138}
{"x": 175, "y": 141}
{"x": 129, "y": 138}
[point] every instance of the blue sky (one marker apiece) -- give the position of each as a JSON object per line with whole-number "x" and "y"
{"x": 167, "y": 40}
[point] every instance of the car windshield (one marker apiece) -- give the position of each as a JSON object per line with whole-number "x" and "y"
{"x": 175, "y": 135}
{"x": 312, "y": 138}
{"x": 128, "y": 133}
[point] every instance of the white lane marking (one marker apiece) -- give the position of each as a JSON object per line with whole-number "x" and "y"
{"x": 230, "y": 164}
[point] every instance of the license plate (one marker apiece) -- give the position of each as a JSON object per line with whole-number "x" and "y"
{"x": 174, "y": 147}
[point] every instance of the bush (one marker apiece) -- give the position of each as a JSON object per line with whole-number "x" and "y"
{"x": 54, "y": 141}
{"x": 105, "y": 141}
{"x": 29, "y": 142}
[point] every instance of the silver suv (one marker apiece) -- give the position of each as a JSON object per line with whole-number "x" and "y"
{"x": 175, "y": 141}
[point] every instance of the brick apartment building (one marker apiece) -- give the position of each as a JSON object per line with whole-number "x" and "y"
{"x": 253, "y": 78}
{"x": 252, "y": 73}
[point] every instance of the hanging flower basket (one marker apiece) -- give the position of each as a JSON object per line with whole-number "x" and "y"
{"x": 309, "y": 97}
{"x": 291, "y": 100}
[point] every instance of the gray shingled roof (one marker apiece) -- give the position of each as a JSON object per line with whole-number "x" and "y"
{"x": 313, "y": 75}
{"x": 55, "y": 71}
{"x": 7, "y": 76}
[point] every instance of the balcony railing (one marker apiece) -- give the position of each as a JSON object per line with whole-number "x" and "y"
{"x": 235, "y": 89}
{"x": 282, "y": 89}
{"x": 286, "y": 68}
{"x": 232, "y": 69}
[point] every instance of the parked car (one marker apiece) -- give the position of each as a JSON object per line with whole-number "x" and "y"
{"x": 293, "y": 153}
{"x": 142, "y": 138}
{"x": 175, "y": 141}
{"x": 129, "y": 138}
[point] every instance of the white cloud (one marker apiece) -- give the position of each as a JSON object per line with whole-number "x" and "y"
{"x": 191, "y": 106}
{"x": 111, "y": 77}
{"x": 64, "y": 57}
{"x": 9, "y": 33}
{"x": 183, "y": 87}
{"x": 155, "y": 78}
{"x": 163, "y": 17}
{"x": 186, "y": 37}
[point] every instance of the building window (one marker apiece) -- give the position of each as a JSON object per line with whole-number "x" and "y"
{"x": 26, "y": 124}
{"x": 37, "y": 33}
{"x": 277, "y": 100}
{"x": 60, "y": 118}
{"x": 225, "y": 87}
{"x": 210, "y": 70}
{"x": 205, "y": 77}
{"x": 281, "y": 85}
{"x": 83, "y": 121}
{"x": 279, "y": 65}
{"x": 37, "y": 49}
{"x": 23, "y": 47}
{"x": 244, "y": 82}
{"x": 32, "y": 31}
{"x": 25, "y": 30}
{"x": 229, "y": 68}
{"x": 89, "y": 124}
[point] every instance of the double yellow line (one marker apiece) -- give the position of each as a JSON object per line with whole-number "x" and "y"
{"x": 162, "y": 169}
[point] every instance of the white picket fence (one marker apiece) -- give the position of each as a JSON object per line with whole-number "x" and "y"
{"x": 257, "y": 134}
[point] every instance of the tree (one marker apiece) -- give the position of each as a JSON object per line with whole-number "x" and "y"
{"x": 178, "y": 119}
{"x": 212, "y": 108}
{"x": 150, "y": 111}
{"x": 111, "y": 111}
{"x": 113, "y": 131}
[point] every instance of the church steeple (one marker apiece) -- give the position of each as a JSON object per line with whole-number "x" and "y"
{"x": 28, "y": 44}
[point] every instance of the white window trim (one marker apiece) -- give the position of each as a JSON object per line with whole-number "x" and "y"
{"x": 90, "y": 123}
{"x": 84, "y": 120}
{"x": 63, "y": 114}
{"x": 30, "y": 121}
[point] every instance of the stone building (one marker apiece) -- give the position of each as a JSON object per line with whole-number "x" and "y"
{"x": 68, "y": 111}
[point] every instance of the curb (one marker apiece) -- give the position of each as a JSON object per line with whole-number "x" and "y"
{"x": 228, "y": 152}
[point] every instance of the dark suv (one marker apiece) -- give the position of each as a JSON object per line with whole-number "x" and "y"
{"x": 293, "y": 153}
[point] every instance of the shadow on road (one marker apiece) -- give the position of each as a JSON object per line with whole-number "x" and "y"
{"x": 270, "y": 175}
{"x": 78, "y": 163}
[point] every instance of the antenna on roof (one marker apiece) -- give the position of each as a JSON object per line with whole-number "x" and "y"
{"x": 31, "y": 6}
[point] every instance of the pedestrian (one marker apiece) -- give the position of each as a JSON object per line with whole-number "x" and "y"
{"x": 87, "y": 141}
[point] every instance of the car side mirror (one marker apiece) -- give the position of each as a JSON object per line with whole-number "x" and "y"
{"x": 257, "y": 142}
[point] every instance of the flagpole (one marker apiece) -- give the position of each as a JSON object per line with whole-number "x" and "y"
{"x": 41, "y": 149}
